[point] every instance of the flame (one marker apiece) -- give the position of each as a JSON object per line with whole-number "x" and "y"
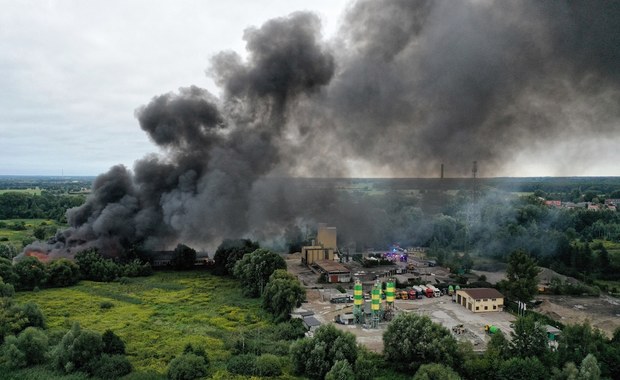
{"x": 42, "y": 257}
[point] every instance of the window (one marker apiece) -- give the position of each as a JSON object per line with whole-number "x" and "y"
{"x": 486, "y": 308}
{"x": 477, "y": 308}
{"x": 494, "y": 307}
{"x": 485, "y": 300}
{"x": 494, "y": 299}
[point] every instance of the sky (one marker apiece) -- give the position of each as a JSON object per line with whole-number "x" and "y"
{"x": 411, "y": 88}
{"x": 72, "y": 73}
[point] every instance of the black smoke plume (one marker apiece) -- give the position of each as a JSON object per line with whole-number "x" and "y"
{"x": 405, "y": 86}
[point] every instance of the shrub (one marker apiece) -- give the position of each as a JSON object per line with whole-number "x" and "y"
{"x": 112, "y": 343}
{"x": 62, "y": 272}
{"x": 77, "y": 349}
{"x": 268, "y": 365}
{"x": 29, "y": 348}
{"x": 105, "y": 305}
{"x": 242, "y": 365}
{"x": 110, "y": 366}
{"x": 187, "y": 367}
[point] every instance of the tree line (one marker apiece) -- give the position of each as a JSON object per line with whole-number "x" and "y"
{"x": 18, "y": 205}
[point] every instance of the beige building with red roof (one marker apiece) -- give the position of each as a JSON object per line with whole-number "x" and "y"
{"x": 480, "y": 300}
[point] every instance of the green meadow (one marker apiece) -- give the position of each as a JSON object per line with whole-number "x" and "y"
{"x": 157, "y": 316}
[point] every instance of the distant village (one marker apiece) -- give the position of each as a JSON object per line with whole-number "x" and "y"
{"x": 609, "y": 204}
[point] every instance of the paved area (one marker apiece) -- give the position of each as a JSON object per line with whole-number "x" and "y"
{"x": 440, "y": 310}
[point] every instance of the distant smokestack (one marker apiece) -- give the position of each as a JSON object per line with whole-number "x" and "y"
{"x": 441, "y": 171}
{"x": 474, "y": 169}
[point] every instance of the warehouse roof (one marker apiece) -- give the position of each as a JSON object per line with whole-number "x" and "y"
{"x": 482, "y": 293}
{"x": 331, "y": 266}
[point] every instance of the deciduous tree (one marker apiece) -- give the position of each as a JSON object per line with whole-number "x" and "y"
{"x": 282, "y": 294}
{"x": 411, "y": 340}
{"x": 314, "y": 357}
{"x": 254, "y": 270}
{"x": 522, "y": 276}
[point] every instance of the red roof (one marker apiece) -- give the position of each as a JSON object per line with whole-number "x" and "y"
{"x": 481, "y": 293}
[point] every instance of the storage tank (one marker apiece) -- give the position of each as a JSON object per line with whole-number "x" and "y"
{"x": 358, "y": 296}
{"x": 389, "y": 292}
{"x": 376, "y": 298}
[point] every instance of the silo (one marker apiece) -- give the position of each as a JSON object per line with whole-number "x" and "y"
{"x": 376, "y": 304}
{"x": 358, "y": 302}
{"x": 389, "y": 292}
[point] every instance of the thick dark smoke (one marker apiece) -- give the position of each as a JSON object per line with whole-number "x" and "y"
{"x": 405, "y": 86}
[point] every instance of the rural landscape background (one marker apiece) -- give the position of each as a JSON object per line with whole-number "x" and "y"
{"x": 469, "y": 227}
{"x": 338, "y": 190}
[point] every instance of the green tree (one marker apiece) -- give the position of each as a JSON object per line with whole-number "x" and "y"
{"x": 14, "y": 317}
{"x": 30, "y": 272}
{"x": 522, "y": 369}
{"x": 579, "y": 340}
{"x": 341, "y": 370}
{"x": 411, "y": 340}
{"x": 229, "y": 252}
{"x": 62, "y": 272}
{"x": 435, "y": 371}
{"x": 7, "y": 272}
{"x": 498, "y": 346}
{"x": 589, "y": 369}
{"x": 244, "y": 364}
{"x": 184, "y": 257}
{"x": 112, "y": 343}
{"x": 529, "y": 338}
{"x": 522, "y": 276}
{"x": 187, "y": 367}
{"x": 77, "y": 350}
{"x": 254, "y": 270}
{"x": 95, "y": 267}
{"x": 314, "y": 357}
{"x": 8, "y": 251}
{"x": 28, "y": 348}
{"x": 282, "y": 294}
{"x": 6, "y": 290}
{"x": 268, "y": 365}
{"x": 109, "y": 366}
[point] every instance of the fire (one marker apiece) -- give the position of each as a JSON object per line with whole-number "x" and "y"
{"x": 42, "y": 257}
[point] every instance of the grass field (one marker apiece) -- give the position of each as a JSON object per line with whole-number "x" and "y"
{"x": 158, "y": 315}
{"x": 8, "y": 235}
{"x": 35, "y": 191}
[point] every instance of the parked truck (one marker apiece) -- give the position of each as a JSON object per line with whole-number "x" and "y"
{"x": 420, "y": 293}
{"x": 436, "y": 292}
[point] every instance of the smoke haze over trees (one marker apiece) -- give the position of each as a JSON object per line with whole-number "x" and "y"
{"x": 405, "y": 86}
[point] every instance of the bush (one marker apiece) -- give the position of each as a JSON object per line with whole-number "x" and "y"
{"x": 112, "y": 344}
{"x": 187, "y": 367}
{"x": 77, "y": 349}
{"x": 30, "y": 273}
{"x": 242, "y": 365}
{"x": 110, "y": 366}
{"x": 268, "y": 365}
{"x": 105, "y": 305}
{"x": 29, "y": 348}
{"x": 62, "y": 272}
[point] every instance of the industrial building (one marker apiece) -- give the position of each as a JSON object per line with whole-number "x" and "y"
{"x": 335, "y": 272}
{"x": 480, "y": 300}
{"x": 323, "y": 247}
